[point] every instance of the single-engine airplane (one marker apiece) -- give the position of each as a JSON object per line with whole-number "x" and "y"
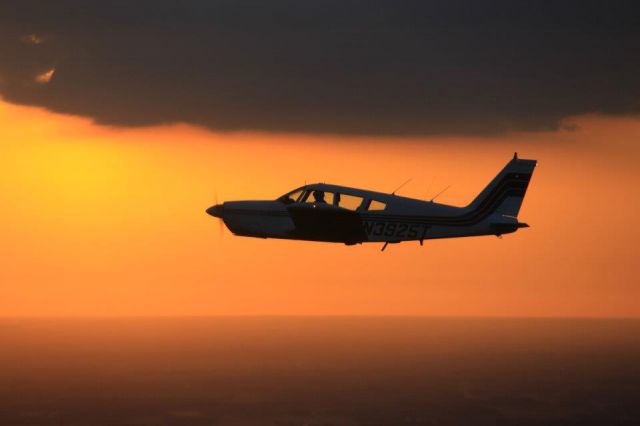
{"x": 339, "y": 214}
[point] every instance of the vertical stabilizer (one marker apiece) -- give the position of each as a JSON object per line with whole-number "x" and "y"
{"x": 505, "y": 193}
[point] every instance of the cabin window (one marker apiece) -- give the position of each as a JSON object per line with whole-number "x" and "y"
{"x": 306, "y": 197}
{"x": 329, "y": 197}
{"x": 318, "y": 196}
{"x": 375, "y": 205}
{"x": 350, "y": 202}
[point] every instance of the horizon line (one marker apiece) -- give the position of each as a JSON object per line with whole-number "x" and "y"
{"x": 266, "y": 316}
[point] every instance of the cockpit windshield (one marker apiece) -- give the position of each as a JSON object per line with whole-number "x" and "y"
{"x": 292, "y": 196}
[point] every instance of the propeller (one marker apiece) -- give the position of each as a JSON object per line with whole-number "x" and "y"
{"x": 220, "y": 221}
{"x": 216, "y": 211}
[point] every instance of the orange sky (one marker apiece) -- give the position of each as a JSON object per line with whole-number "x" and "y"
{"x": 106, "y": 221}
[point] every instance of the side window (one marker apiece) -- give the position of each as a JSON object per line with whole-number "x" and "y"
{"x": 329, "y": 197}
{"x": 375, "y": 205}
{"x": 350, "y": 202}
{"x": 317, "y": 196}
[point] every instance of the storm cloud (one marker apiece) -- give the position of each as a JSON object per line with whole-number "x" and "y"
{"x": 325, "y": 66}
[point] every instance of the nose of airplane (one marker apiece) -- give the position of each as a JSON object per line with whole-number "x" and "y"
{"x": 216, "y": 211}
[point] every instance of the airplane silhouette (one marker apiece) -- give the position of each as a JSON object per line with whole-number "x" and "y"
{"x": 340, "y": 214}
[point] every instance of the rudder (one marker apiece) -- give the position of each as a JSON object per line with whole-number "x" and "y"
{"x": 505, "y": 193}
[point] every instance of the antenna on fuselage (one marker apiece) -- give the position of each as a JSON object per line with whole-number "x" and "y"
{"x": 439, "y": 193}
{"x": 403, "y": 184}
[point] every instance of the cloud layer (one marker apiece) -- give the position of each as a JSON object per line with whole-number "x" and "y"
{"x": 329, "y": 66}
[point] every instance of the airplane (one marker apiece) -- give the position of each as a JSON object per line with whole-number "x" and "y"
{"x": 340, "y": 214}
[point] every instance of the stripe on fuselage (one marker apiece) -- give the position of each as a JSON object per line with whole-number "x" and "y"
{"x": 513, "y": 185}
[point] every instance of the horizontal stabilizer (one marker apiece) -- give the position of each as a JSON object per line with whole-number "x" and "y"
{"x": 506, "y": 225}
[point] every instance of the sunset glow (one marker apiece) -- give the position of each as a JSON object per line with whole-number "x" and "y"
{"x": 110, "y": 221}
{"x": 319, "y": 213}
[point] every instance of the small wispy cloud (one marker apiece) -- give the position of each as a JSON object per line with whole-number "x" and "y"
{"x": 32, "y": 39}
{"x": 45, "y": 77}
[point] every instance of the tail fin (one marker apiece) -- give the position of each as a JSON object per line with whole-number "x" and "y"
{"x": 506, "y": 191}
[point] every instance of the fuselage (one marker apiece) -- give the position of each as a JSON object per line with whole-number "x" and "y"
{"x": 368, "y": 217}
{"x": 333, "y": 213}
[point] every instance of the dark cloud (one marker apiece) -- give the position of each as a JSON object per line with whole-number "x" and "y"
{"x": 337, "y": 66}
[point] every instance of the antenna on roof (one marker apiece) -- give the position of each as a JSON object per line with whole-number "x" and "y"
{"x": 439, "y": 193}
{"x": 403, "y": 184}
